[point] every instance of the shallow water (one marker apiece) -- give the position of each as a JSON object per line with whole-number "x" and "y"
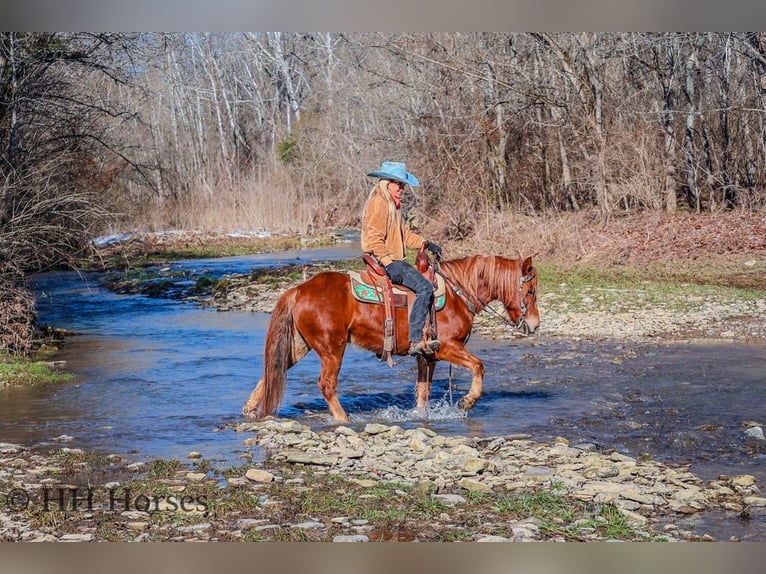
{"x": 160, "y": 378}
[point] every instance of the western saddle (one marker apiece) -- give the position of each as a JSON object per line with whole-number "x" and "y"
{"x": 391, "y": 297}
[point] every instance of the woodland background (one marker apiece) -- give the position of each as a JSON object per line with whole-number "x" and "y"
{"x": 102, "y": 133}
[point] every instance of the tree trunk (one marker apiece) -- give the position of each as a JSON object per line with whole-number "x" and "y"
{"x": 690, "y": 81}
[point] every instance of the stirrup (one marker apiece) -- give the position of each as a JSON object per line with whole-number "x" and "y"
{"x": 423, "y": 348}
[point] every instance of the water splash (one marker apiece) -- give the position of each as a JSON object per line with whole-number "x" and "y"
{"x": 436, "y": 410}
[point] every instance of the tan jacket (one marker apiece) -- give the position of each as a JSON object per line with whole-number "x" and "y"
{"x": 384, "y": 234}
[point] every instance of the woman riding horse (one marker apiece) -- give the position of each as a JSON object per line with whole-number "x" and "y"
{"x": 385, "y": 236}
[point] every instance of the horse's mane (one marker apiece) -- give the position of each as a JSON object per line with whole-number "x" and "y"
{"x": 484, "y": 278}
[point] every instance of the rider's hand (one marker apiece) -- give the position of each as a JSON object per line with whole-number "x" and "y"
{"x": 435, "y": 249}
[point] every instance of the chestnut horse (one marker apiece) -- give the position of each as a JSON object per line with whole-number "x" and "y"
{"x": 322, "y": 314}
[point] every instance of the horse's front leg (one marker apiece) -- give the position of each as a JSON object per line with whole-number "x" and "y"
{"x": 423, "y": 384}
{"x": 456, "y": 353}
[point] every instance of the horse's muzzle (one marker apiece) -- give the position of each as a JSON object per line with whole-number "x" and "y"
{"x": 525, "y": 330}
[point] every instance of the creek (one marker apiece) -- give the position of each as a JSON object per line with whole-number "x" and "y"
{"x": 160, "y": 377}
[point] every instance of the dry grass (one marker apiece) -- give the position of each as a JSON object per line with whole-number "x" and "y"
{"x": 584, "y": 238}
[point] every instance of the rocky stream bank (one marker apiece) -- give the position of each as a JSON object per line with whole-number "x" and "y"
{"x": 373, "y": 484}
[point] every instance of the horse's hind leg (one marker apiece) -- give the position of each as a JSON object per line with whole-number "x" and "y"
{"x": 423, "y": 384}
{"x": 299, "y": 350}
{"x": 328, "y": 380}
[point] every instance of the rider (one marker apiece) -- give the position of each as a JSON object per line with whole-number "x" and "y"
{"x": 386, "y": 236}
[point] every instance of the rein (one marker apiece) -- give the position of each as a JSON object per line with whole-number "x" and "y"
{"x": 520, "y": 326}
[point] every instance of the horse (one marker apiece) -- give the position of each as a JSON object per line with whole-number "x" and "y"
{"x": 322, "y": 314}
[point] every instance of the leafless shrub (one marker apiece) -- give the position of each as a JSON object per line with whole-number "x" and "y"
{"x": 47, "y": 219}
{"x": 16, "y": 310}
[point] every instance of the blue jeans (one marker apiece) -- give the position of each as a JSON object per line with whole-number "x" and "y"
{"x": 402, "y": 273}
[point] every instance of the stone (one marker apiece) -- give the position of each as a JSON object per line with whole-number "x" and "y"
{"x": 450, "y": 499}
{"x": 63, "y": 438}
{"x": 366, "y": 482}
{"x": 87, "y": 537}
{"x": 194, "y": 527}
{"x": 311, "y": 524}
{"x": 754, "y": 501}
{"x": 755, "y": 433}
{"x": 258, "y": 475}
{"x": 472, "y": 485}
{"x": 375, "y": 428}
{"x": 743, "y": 481}
{"x": 300, "y": 457}
{"x": 492, "y": 538}
{"x": 9, "y": 448}
{"x": 473, "y": 466}
{"x": 351, "y": 538}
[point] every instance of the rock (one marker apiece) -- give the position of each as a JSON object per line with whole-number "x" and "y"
{"x": 258, "y": 475}
{"x": 9, "y": 448}
{"x": 634, "y": 517}
{"x": 472, "y": 485}
{"x": 77, "y": 538}
{"x": 248, "y": 523}
{"x": 194, "y": 455}
{"x": 492, "y": 538}
{"x": 755, "y": 433}
{"x": 195, "y": 527}
{"x": 450, "y": 499}
{"x": 311, "y": 524}
{"x": 350, "y": 453}
{"x": 300, "y": 457}
{"x": 473, "y": 466}
{"x": 743, "y": 481}
{"x": 366, "y": 482}
{"x": 375, "y": 428}
{"x": 754, "y": 501}
{"x": 351, "y": 538}
{"x": 63, "y": 438}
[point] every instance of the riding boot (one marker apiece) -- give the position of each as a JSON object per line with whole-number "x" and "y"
{"x": 423, "y": 348}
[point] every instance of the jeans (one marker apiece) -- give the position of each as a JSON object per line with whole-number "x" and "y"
{"x": 402, "y": 273}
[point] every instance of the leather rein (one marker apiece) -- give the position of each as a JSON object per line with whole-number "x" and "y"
{"x": 520, "y": 326}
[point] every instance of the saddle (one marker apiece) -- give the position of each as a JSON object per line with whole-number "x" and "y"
{"x": 374, "y": 286}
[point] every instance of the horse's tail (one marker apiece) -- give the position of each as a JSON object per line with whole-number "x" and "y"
{"x": 277, "y": 359}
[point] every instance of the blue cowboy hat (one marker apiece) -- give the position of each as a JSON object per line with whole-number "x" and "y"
{"x": 395, "y": 171}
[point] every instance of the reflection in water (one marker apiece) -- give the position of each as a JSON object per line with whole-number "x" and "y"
{"x": 157, "y": 377}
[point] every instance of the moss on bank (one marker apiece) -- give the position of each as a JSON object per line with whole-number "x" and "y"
{"x": 17, "y": 370}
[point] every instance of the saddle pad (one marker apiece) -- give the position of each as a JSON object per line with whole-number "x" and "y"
{"x": 366, "y": 292}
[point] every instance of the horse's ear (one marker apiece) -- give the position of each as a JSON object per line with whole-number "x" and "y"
{"x": 526, "y": 267}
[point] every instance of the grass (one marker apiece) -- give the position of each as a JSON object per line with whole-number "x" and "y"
{"x": 619, "y": 289}
{"x": 15, "y": 370}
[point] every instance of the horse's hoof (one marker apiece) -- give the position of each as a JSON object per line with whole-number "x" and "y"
{"x": 466, "y": 404}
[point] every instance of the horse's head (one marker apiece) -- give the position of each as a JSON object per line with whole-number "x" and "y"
{"x": 523, "y": 311}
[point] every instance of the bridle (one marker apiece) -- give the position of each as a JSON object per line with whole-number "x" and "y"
{"x": 520, "y": 326}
